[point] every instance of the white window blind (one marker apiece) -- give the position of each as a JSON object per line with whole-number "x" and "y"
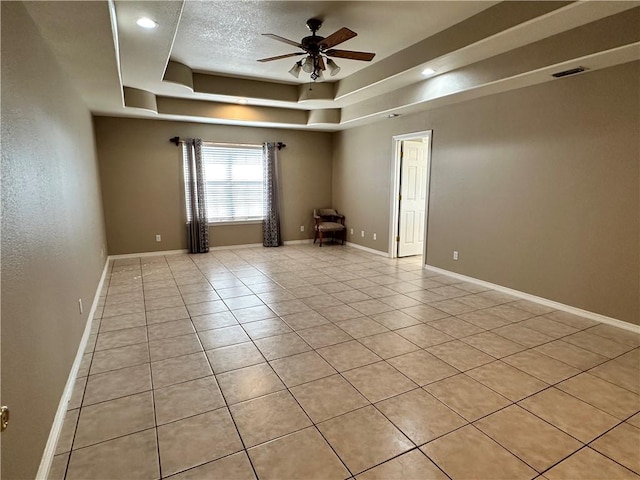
{"x": 234, "y": 184}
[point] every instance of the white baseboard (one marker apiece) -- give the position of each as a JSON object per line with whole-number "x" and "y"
{"x": 542, "y": 301}
{"x": 298, "y": 242}
{"x": 148, "y": 254}
{"x": 58, "y": 421}
{"x": 367, "y": 249}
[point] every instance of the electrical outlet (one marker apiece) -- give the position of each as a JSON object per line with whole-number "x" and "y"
{"x": 302, "y": 228}
{"x": 158, "y": 238}
{"x": 374, "y": 236}
{"x": 455, "y": 255}
{"x": 80, "y": 305}
{"x": 352, "y": 231}
{"x": 362, "y": 233}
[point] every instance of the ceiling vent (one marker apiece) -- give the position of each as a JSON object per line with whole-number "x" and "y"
{"x": 566, "y": 73}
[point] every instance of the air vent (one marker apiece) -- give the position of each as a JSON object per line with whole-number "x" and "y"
{"x": 566, "y": 73}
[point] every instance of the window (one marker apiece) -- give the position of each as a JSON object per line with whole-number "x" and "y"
{"x": 233, "y": 178}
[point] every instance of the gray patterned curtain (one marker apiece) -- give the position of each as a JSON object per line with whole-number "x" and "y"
{"x": 197, "y": 227}
{"x": 271, "y": 222}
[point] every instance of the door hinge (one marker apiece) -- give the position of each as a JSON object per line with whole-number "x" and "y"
{"x": 397, "y": 239}
{"x": 4, "y": 418}
{"x": 399, "y": 197}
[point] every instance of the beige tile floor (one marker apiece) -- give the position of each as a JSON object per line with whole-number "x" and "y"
{"x": 300, "y": 362}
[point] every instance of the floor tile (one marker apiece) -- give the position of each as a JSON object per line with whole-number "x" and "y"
{"x": 420, "y": 416}
{"x": 588, "y": 464}
{"x": 197, "y": 440}
{"x": 379, "y": 381}
{"x": 620, "y": 374}
{"x": 541, "y": 366}
{"x": 303, "y": 454}
{"x": 371, "y": 306}
{"x": 597, "y": 344}
{"x": 570, "y": 319}
{"x": 469, "y": 454}
{"x": 548, "y": 327}
{"x": 390, "y": 344}
{"x": 411, "y": 465}
{"x": 422, "y": 367}
{"x": 115, "y": 358}
{"x": 570, "y": 354}
{"x": 133, "y": 456}
{"x": 364, "y": 438}
{"x": 507, "y": 381}
{"x": 77, "y": 394}
{"x": 289, "y": 307}
{"x": 301, "y": 368}
{"x": 253, "y": 314}
{"x": 534, "y": 441}
{"x": 115, "y": 418}
{"x": 180, "y": 369}
{"x": 174, "y": 328}
{"x": 249, "y": 382}
{"x": 494, "y": 345}
{"x": 266, "y": 328}
{"x": 468, "y": 398}
{"x": 167, "y": 315}
{"x": 234, "y": 356}
{"x": 324, "y": 335}
{"x": 483, "y": 319}
{"x": 523, "y": 335}
{"x": 460, "y": 355}
{"x": 300, "y": 321}
{"x": 395, "y": 319}
{"x": 232, "y": 467}
{"x": 163, "y": 302}
{"x": 616, "y": 334}
{"x": 424, "y": 313}
{"x": 117, "y": 383}
{"x": 199, "y": 297}
{"x": 58, "y": 467}
{"x": 328, "y": 397}
{"x": 606, "y": 396}
{"x": 361, "y": 327}
{"x": 508, "y": 312}
{"x": 573, "y": 416}
{"x": 222, "y": 337}
{"x": 424, "y": 335}
{"x": 268, "y": 417}
{"x": 247, "y": 301}
{"x": 121, "y": 338}
{"x": 621, "y": 444}
{"x": 280, "y": 346}
{"x": 398, "y": 300}
{"x": 174, "y": 347}
{"x": 205, "y": 308}
{"x": 121, "y": 322}
{"x": 348, "y": 355}
{"x": 187, "y": 399}
{"x": 65, "y": 441}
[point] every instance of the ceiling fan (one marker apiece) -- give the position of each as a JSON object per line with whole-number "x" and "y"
{"x": 318, "y": 49}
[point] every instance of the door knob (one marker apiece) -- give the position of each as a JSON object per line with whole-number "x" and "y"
{"x": 4, "y": 418}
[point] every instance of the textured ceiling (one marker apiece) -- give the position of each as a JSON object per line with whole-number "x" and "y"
{"x": 200, "y": 64}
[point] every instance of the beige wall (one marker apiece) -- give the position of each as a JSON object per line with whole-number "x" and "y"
{"x": 142, "y": 183}
{"x": 52, "y": 234}
{"x": 538, "y": 189}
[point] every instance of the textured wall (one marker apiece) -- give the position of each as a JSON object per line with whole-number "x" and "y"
{"x": 52, "y": 235}
{"x": 538, "y": 188}
{"x": 143, "y": 187}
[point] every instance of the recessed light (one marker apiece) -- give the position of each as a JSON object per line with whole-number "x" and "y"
{"x": 428, "y": 71}
{"x": 146, "y": 22}
{"x": 243, "y": 101}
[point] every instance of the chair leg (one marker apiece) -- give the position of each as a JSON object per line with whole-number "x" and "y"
{"x": 315, "y": 236}
{"x": 344, "y": 235}
{"x": 320, "y": 238}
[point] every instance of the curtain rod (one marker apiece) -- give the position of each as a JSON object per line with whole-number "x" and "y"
{"x": 178, "y": 141}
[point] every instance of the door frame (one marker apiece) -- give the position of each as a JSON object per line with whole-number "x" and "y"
{"x": 395, "y": 189}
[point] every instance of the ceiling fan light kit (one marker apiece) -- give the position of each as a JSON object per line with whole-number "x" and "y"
{"x": 318, "y": 50}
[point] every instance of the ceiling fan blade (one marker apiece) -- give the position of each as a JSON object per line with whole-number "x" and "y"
{"x": 321, "y": 63}
{"x": 337, "y": 37}
{"x": 281, "y": 56}
{"x": 364, "y": 56}
{"x": 282, "y": 39}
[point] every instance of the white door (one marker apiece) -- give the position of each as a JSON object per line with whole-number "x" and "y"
{"x": 413, "y": 198}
